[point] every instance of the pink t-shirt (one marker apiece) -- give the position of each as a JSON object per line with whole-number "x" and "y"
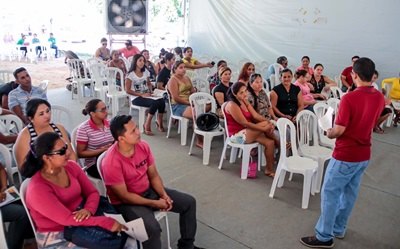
{"x": 358, "y": 112}
{"x": 131, "y": 171}
{"x": 305, "y": 91}
{"x": 129, "y": 52}
{"x": 310, "y": 70}
{"x": 51, "y": 206}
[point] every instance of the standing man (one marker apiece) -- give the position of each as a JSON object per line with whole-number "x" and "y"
{"x": 129, "y": 50}
{"x": 358, "y": 112}
{"x": 136, "y": 190}
{"x": 347, "y": 80}
{"x": 18, "y": 97}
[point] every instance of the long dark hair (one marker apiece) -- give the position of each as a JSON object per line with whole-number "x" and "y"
{"x": 136, "y": 57}
{"x": 43, "y": 145}
{"x": 253, "y": 77}
{"x": 233, "y": 90}
{"x": 32, "y": 106}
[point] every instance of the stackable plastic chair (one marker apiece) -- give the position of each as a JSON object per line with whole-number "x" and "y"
{"x": 293, "y": 164}
{"x": 115, "y": 92}
{"x": 198, "y": 102}
{"x": 320, "y": 109}
{"x": 307, "y": 140}
{"x": 183, "y": 123}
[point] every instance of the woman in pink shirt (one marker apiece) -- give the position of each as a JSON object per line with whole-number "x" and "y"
{"x": 303, "y": 77}
{"x": 63, "y": 203}
{"x": 305, "y": 65}
{"x": 240, "y": 114}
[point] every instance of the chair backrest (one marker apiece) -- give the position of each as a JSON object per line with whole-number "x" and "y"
{"x": 6, "y": 155}
{"x": 6, "y": 76}
{"x": 43, "y": 85}
{"x": 111, "y": 77}
{"x": 127, "y": 63}
{"x": 191, "y": 74}
{"x": 334, "y": 103}
{"x": 320, "y": 109}
{"x": 201, "y": 85}
{"x": 97, "y": 72}
{"x": 22, "y": 193}
{"x": 78, "y": 69}
{"x": 99, "y": 165}
{"x": 306, "y": 124}
{"x": 286, "y": 126}
{"x": 61, "y": 115}
{"x": 10, "y": 123}
{"x": 74, "y": 144}
{"x": 336, "y": 92}
{"x": 92, "y": 61}
{"x": 199, "y": 102}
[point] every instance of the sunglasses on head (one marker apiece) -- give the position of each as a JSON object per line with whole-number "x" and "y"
{"x": 60, "y": 152}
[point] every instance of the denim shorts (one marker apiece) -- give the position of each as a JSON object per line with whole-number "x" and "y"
{"x": 178, "y": 109}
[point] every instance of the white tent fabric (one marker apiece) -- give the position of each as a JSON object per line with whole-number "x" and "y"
{"x": 329, "y": 32}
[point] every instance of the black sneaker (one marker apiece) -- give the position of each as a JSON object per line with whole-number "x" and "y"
{"x": 313, "y": 242}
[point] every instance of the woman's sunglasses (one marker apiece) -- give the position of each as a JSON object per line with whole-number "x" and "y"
{"x": 60, "y": 152}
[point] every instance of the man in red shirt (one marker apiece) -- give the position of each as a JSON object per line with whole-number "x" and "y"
{"x": 129, "y": 50}
{"x": 358, "y": 112}
{"x": 346, "y": 78}
{"x": 136, "y": 190}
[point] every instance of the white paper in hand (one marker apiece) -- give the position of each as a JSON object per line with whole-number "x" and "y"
{"x": 136, "y": 227}
{"x": 325, "y": 122}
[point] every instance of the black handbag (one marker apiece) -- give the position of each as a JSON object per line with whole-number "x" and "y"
{"x": 207, "y": 121}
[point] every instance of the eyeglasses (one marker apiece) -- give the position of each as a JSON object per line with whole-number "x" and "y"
{"x": 104, "y": 109}
{"x": 60, "y": 152}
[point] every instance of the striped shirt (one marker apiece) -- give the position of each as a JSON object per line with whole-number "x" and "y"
{"x": 20, "y": 97}
{"x": 94, "y": 137}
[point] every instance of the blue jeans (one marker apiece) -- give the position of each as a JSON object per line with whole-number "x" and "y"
{"x": 338, "y": 195}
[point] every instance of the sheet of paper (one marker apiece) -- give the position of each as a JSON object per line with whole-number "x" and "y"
{"x": 136, "y": 227}
{"x": 11, "y": 195}
{"x": 131, "y": 243}
{"x": 325, "y": 122}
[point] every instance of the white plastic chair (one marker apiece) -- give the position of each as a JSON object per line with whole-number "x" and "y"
{"x": 159, "y": 215}
{"x": 334, "y": 103}
{"x": 183, "y": 123}
{"x": 293, "y": 164}
{"x": 13, "y": 151}
{"x": 320, "y": 109}
{"x": 74, "y": 146}
{"x": 43, "y": 85}
{"x": 80, "y": 77}
{"x": 142, "y": 110}
{"x": 10, "y": 124}
{"x": 307, "y": 139}
{"x": 127, "y": 62}
{"x": 61, "y": 115}
{"x": 97, "y": 72}
{"x": 336, "y": 92}
{"x": 201, "y": 85}
{"x": 22, "y": 193}
{"x": 5, "y": 152}
{"x": 5, "y": 76}
{"x": 191, "y": 74}
{"x": 246, "y": 148}
{"x": 198, "y": 102}
{"x": 115, "y": 92}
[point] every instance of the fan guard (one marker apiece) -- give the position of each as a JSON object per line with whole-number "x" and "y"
{"x": 127, "y": 16}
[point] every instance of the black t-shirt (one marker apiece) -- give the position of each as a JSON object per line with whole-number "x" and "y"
{"x": 163, "y": 76}
{"x": 7, "y": 88}
{"x": 223, "y": 89}
{"x": 287, "y": 101}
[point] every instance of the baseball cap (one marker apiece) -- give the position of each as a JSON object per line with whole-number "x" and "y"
{"x": 128, "y": 43}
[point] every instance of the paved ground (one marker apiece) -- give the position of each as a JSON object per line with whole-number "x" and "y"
{"x": 234, "y": 213}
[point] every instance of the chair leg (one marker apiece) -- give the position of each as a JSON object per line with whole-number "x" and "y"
{"x": 275, "y": 182}
{"x": 169, "y": 126}
{"x": 320, "y": 173}
{"x": 221, "y": 161}
{"x": 234, "y": 152}
{"x": 142, "y": 117}
{"x": 206, "y": 149}
{"x": 184, "y": 128}
{"x": 167, "y": 228}
{"x": 245, "y": 164}
{"x": 306, "y": 189}
{"x": 191, "y": 144}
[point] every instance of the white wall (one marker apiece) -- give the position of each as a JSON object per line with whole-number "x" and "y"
{"x": 329, "y": 31}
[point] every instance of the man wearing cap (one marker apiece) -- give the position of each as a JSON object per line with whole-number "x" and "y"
{"x": 129, "y": 50}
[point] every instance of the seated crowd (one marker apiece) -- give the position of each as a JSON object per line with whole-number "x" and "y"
{"x": 67, "y": 210}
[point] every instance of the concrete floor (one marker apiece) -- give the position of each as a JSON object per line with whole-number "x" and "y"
{"x": 234, "y": 213}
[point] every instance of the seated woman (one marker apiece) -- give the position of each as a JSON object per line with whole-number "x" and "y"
{"x": 258, "y": 98}
{"x": 286, "y": 98}
{"x": 137, "y": 84}
{"x": 180, "y": 88}
{"x": 165, "y": 73}
{"x": 302, "y": 81}
{"x": 38, "y": 112}
{"x": 320, "y": 84}
{"x": 214, "y": 80}
{"x": 14, "y": 213}
{"x": 192, "y": 63}
{"x": 117, "y": 62}
{"x": 219, "y": 92}
{"x": 149, "y": 65}
{"x": 239, "y": 117}
{"x": 93, "y": 136}
{"x": 62, "y": 201}
{"x": 103, "y": 53}
{"x": 305, "y": 65}
{"x": 247, "y": 70}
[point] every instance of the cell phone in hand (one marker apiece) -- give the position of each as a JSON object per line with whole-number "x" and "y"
{"x": 212, "y": 63}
